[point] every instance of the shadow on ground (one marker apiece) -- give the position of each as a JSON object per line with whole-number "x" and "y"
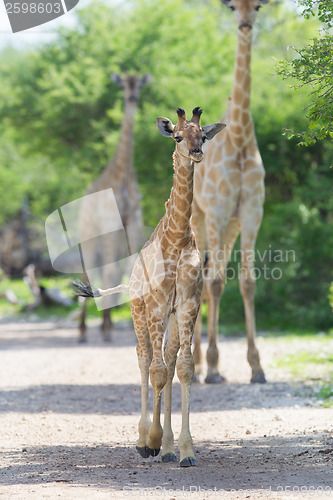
{"x": 227, "y": 464}
{"x": 52, "y": 335}
{"x": 125, "y": 399}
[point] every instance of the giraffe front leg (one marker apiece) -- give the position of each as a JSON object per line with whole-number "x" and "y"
{"x": 185, "y": 372}
{"x": 158, "y": 376}
{"x": 214, "y": 286}
{"x": 198, "y": 224}
{"x": 144, "y": 352}
{"x": 170, "y": 355}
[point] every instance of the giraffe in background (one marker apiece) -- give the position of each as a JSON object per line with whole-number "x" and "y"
{"x": 119, "y": 175}
{"x": 228, "y": 201}
{"x": 165, "y": 289}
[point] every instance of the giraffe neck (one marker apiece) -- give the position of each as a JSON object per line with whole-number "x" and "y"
{"x": 177, "y": 226}
{"x": 122, "y": 165}
{"x": 240, "y": 98}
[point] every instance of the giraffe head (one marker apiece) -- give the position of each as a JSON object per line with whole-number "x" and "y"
{"x": 131, "y": 85}
{"x": 245, "y": 11}
{"x": 188, "y": 134}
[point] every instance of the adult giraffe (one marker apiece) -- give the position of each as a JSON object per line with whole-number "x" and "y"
{"x": 228, "y": 201}
{"x": 119, "y": 175}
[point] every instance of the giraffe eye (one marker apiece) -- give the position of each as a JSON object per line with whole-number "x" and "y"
{"x": 204, "y": 139}
{"x": 232, "y": 7}
{"x": 178, "y": 138}
{"x": 258, "y": 7}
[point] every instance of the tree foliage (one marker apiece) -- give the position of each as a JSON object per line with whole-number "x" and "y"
{"x": 313, "y": 68}
{"x": 322, "y": 7}
{"x": 61, "y": 117}
{"x": 61, "y": 104}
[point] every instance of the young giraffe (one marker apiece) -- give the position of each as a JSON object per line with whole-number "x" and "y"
{"x": 120, "y": 176}
{"x": 228, "y": 200}
{"x": 165, "y": 289}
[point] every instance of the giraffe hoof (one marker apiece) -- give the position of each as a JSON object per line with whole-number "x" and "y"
{"x": 144, "y": 451}
{"x": 215, "y": 378}
{"x": 258, "y": 378}
{"x": 188, "y": 462}
{"x": 198, "y": 378}
{"x": 155, "y": 452}
{"x": 169, "y": 457}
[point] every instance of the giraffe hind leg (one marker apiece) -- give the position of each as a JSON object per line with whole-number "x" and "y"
{"x": 247, "y": 287}
{"x": 106, "y": 325}
{"x": 197, "y": 351}
{"x": 82, "y": 325}
{"x": 215, "y": 287}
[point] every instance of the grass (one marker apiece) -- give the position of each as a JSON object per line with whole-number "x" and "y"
{"x": 289, "y": 335}
{"x": 121, "y": 313}
{"x": 313, "y": 365}
{"x": 25, "y": 297}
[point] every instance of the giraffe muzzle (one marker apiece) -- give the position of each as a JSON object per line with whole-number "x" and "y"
{"x": 245, "y": 24}
{"x": 196, "y": 155}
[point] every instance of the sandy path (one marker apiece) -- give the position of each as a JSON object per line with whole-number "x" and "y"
{"x": 69, "y": 413}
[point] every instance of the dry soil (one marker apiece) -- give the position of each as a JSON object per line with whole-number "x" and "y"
{"x": 69, "y": 414}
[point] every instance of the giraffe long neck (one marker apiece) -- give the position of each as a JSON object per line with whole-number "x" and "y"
{"x": 177, "y": 227}
{"x": 122, "y": 164}
{"x": 240, "y": 99}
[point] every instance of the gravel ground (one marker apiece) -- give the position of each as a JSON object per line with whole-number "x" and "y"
{"x": 69, "y": 415}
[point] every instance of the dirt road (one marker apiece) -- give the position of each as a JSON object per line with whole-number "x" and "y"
{"x": 69, "y": 414}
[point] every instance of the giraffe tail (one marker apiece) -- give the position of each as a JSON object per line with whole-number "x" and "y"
{"x": 86, "y": 290}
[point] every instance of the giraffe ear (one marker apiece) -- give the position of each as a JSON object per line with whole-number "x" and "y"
{"x": 263, "y": 1}
{"x": 226, "y": 2}
{"x": 212, "y": 130}
{"x": 165, "y": 126}
{"x": 117, "y": 79}
{"x": 145, "y": 79}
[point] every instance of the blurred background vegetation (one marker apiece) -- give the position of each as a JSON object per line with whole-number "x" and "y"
{"x": 61, "y": 115}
